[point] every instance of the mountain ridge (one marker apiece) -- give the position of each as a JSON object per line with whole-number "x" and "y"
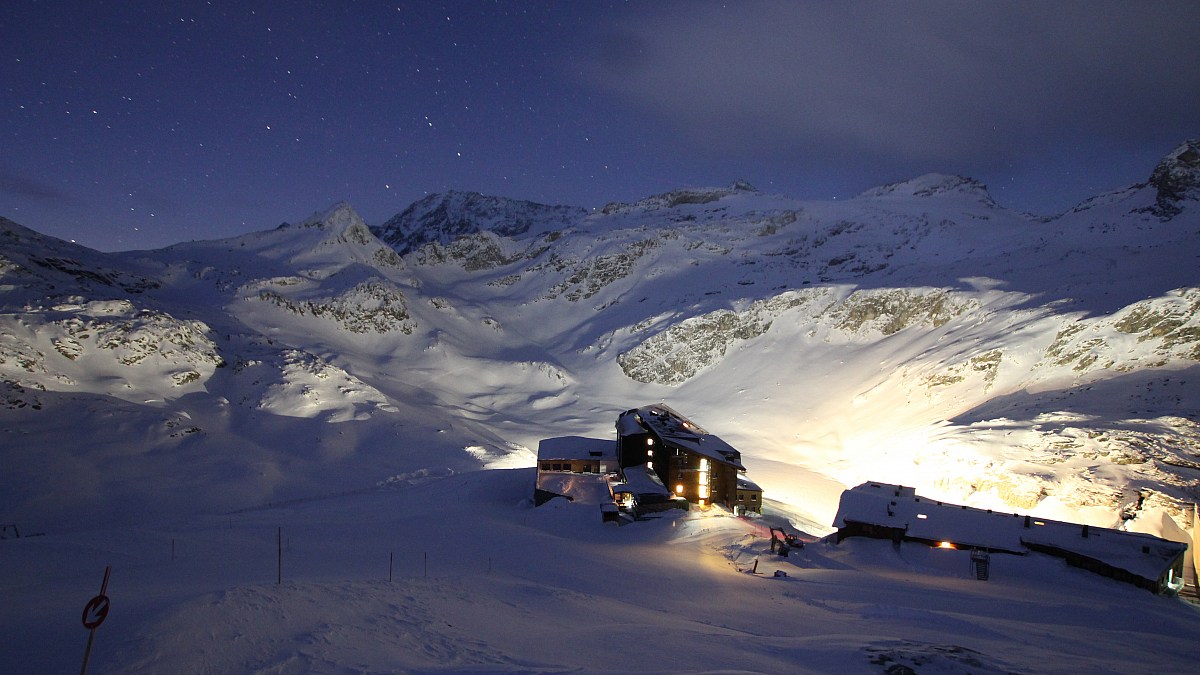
{"x": 832, "y": 338}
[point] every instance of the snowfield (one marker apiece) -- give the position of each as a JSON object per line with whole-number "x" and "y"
{"x": 483, "y": 582}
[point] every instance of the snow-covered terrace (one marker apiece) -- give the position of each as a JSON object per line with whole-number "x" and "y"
{"x": 642, "y": 483}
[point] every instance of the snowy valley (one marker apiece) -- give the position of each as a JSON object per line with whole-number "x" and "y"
{"x": 382, "y": 389}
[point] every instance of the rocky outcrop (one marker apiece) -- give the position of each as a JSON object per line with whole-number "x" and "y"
{"x": 1176, "y": 180}
{"x": 443, "y": 218}
{"x": 103, "y": 336}
{"x": 684, "y": 349}
{"x": 373, "y": 306}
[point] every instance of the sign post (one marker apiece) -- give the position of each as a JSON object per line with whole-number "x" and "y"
{"x": 94, "y": 613}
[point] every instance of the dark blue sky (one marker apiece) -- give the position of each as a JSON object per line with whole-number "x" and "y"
{"x": 137, "y": 124}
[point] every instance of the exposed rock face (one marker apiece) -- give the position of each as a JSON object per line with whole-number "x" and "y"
{"x": 683, "y": 350}
{"x": 889, "y": 311}
{"x": 103, "y": 336}
{"x": 1170, "y": 324}
{"x": 443, "y": 218}
{"x": 373, "y": 306}
{"x": 1177, "y": 179}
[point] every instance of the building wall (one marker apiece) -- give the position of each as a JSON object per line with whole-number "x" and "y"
{"x": 749, "y": 500}
{"x": 632, "y": 449}
{"x": 590, "y": 465}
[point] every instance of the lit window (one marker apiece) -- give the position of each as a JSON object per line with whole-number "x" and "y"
{"x": 649, "y": 453}
{"x": 922, "y": 516}
{"x": 649, "y": 441}
{"x": 649, "y": 465}
{"x": 703, "y": 492}
{"x": 679, "y": 489}
{"x": 945, "y": 544}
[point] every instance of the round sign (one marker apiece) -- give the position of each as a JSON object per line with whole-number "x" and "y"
{"x": 95, "y": 612}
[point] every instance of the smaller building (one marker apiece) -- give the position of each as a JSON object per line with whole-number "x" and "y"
{"x": 749, "y": 497}
{"x": 898, "y": 513}
{"x": 575, "y": 467}
{"x": 577, "y": 454}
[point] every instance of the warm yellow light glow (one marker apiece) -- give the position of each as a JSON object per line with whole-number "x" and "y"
{"x": 703, "y": 491}
{"x": 703, "y": 464}
{"x": 702, "y": 478}
{"x": 701, "y": 502}
{"x": 945, "y": 544}
{"x": 679, "y": 489}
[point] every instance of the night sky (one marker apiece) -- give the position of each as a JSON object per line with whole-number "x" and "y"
{"x": 137, "y": 124}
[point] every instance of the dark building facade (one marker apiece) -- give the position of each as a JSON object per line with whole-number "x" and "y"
{"x": 691, "y": 463}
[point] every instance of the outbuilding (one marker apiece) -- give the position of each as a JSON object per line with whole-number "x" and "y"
{"x": 898, "y": 513}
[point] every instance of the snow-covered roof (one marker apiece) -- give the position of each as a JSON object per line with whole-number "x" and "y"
{"x": 576, "y": 447}
{"x": 640, "y": 480}
{"x": 899, "y": 507}
{"x": 675, "y": 430}
{"x": 744, "y": 483}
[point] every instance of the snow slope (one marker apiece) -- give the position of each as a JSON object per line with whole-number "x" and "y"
{"x": 483, "y": 582}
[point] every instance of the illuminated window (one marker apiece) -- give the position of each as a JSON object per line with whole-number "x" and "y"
{"x": 703, "y": 492}
{"x": 922, "y": 516}
{"x": 649, "y": 453}
{"x": 649, "y": 465}
{"x": 945, "y": 544}
{"x": 679, "y": 489}
{"x": 649, "y": 441}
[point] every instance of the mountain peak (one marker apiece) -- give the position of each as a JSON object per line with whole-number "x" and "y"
{"x": 934, "y": 185}
{"x": 1176, "y": 179}
{"x": 444, "y": 217}
{"x": 681, "y": 197}
{"x": 340, "y": 216}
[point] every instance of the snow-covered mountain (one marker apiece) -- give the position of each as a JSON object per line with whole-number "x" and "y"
{"x": 920, "y": 331}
